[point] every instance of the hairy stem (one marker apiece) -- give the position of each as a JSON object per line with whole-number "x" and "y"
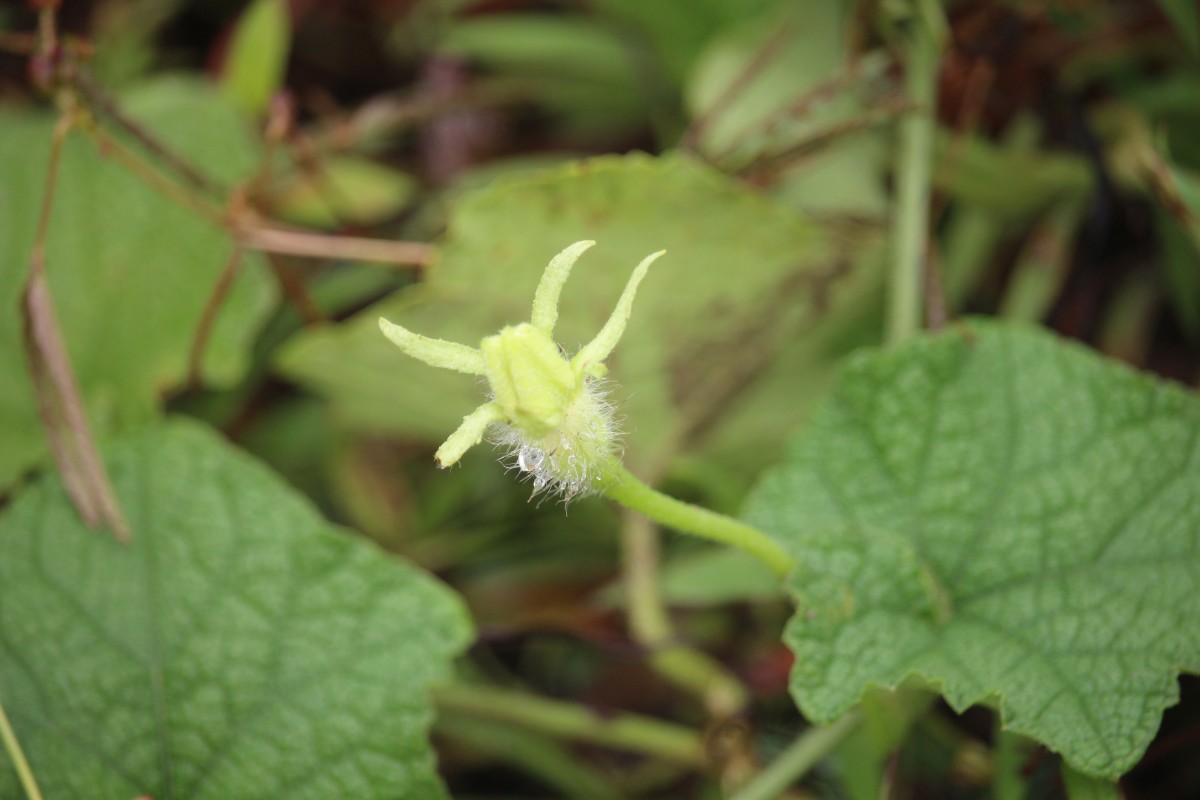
{"x": 17, "y": 755}
{"x": 910, "y": 216}
{"x": 275, "y": 239}
{"x": 623, "y": 487}
{"x": 622, "y": 731}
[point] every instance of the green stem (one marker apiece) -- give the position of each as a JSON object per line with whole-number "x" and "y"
{"x": 622, "y": 731}
{"x": 690, "y": 669}
{"x": 648, "y": 620}
{"x": 910, "y": 217}
{"x": 801, "y": 756}
{"x": 624, "y": 488}
{"x": 24, "y": 773}
{"x": 1009, "y": 755}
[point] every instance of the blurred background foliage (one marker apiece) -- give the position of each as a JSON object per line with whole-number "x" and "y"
{"x": 751, "y": 138}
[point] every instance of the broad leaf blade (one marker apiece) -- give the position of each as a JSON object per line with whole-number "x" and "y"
{"x": 129, "y": 272}
{"x": 240, "y": 647}
{"x": 720, "y": 330}
{"x": 1009, "y": 516}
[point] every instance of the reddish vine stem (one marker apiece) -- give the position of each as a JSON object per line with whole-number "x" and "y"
{"x": 294, "y": 290}
{"x": 803, "y": 103}
{"x": 101, "y": 104}
{"x": 150, "y": 175}
{"x": 283, "y": 241}
{"x": 59, "y": 400}
{"x": 766, "y": 54}
{"x": 220, "y": 291}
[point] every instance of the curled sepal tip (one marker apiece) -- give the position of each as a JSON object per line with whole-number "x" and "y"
{"x": 545, "y": 299}
{"x": 592, "y": 354}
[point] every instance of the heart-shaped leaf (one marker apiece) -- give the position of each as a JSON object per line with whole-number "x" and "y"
{"x": 240, "y": 647}
{"x": 1013, "y": 518}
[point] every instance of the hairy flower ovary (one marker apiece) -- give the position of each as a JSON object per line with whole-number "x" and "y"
{"x": 530, "y": 379}
{"x": 569, "y": 457}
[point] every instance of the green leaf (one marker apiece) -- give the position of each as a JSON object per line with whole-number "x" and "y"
{"x": 240, "y": 647}
{"x": 1008, "y": 516}
{"x": 257, "y": 57}
{"x": 130, "y": 272}
{"x": 714, "y": 343}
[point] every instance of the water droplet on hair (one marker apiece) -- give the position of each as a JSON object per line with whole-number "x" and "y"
{"x": 529, "y": 459}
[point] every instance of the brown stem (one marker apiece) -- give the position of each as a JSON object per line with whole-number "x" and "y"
{"x": 185, "y": 196}
{"x": 220, "y": 291}
{"x": 770, "y": 48}
{"x": 385, "y": 114}
{"x": 768, "y": 165}
{"x": 349, "y": 248}
{"x": 47, "y": 26}
{"x": 295, "y": 291}
{"x": 101, "y": 104}
{"x": 803, "y": 104}
{"x": 59, "y": 400}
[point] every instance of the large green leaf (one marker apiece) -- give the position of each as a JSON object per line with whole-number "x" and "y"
{"x": 130, "y": 272}
{"x": 713, "y": 346}
{"x": 240, "y": 647}
{"x": 1009, "y": 516}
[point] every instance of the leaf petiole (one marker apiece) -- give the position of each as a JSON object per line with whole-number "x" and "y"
{"x": 620, "y": 485}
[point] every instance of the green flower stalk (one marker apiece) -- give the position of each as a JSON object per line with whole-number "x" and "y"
{"x": 551, "y": 415}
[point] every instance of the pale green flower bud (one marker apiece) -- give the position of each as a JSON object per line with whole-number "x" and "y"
{"x": 531, "y": 381}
